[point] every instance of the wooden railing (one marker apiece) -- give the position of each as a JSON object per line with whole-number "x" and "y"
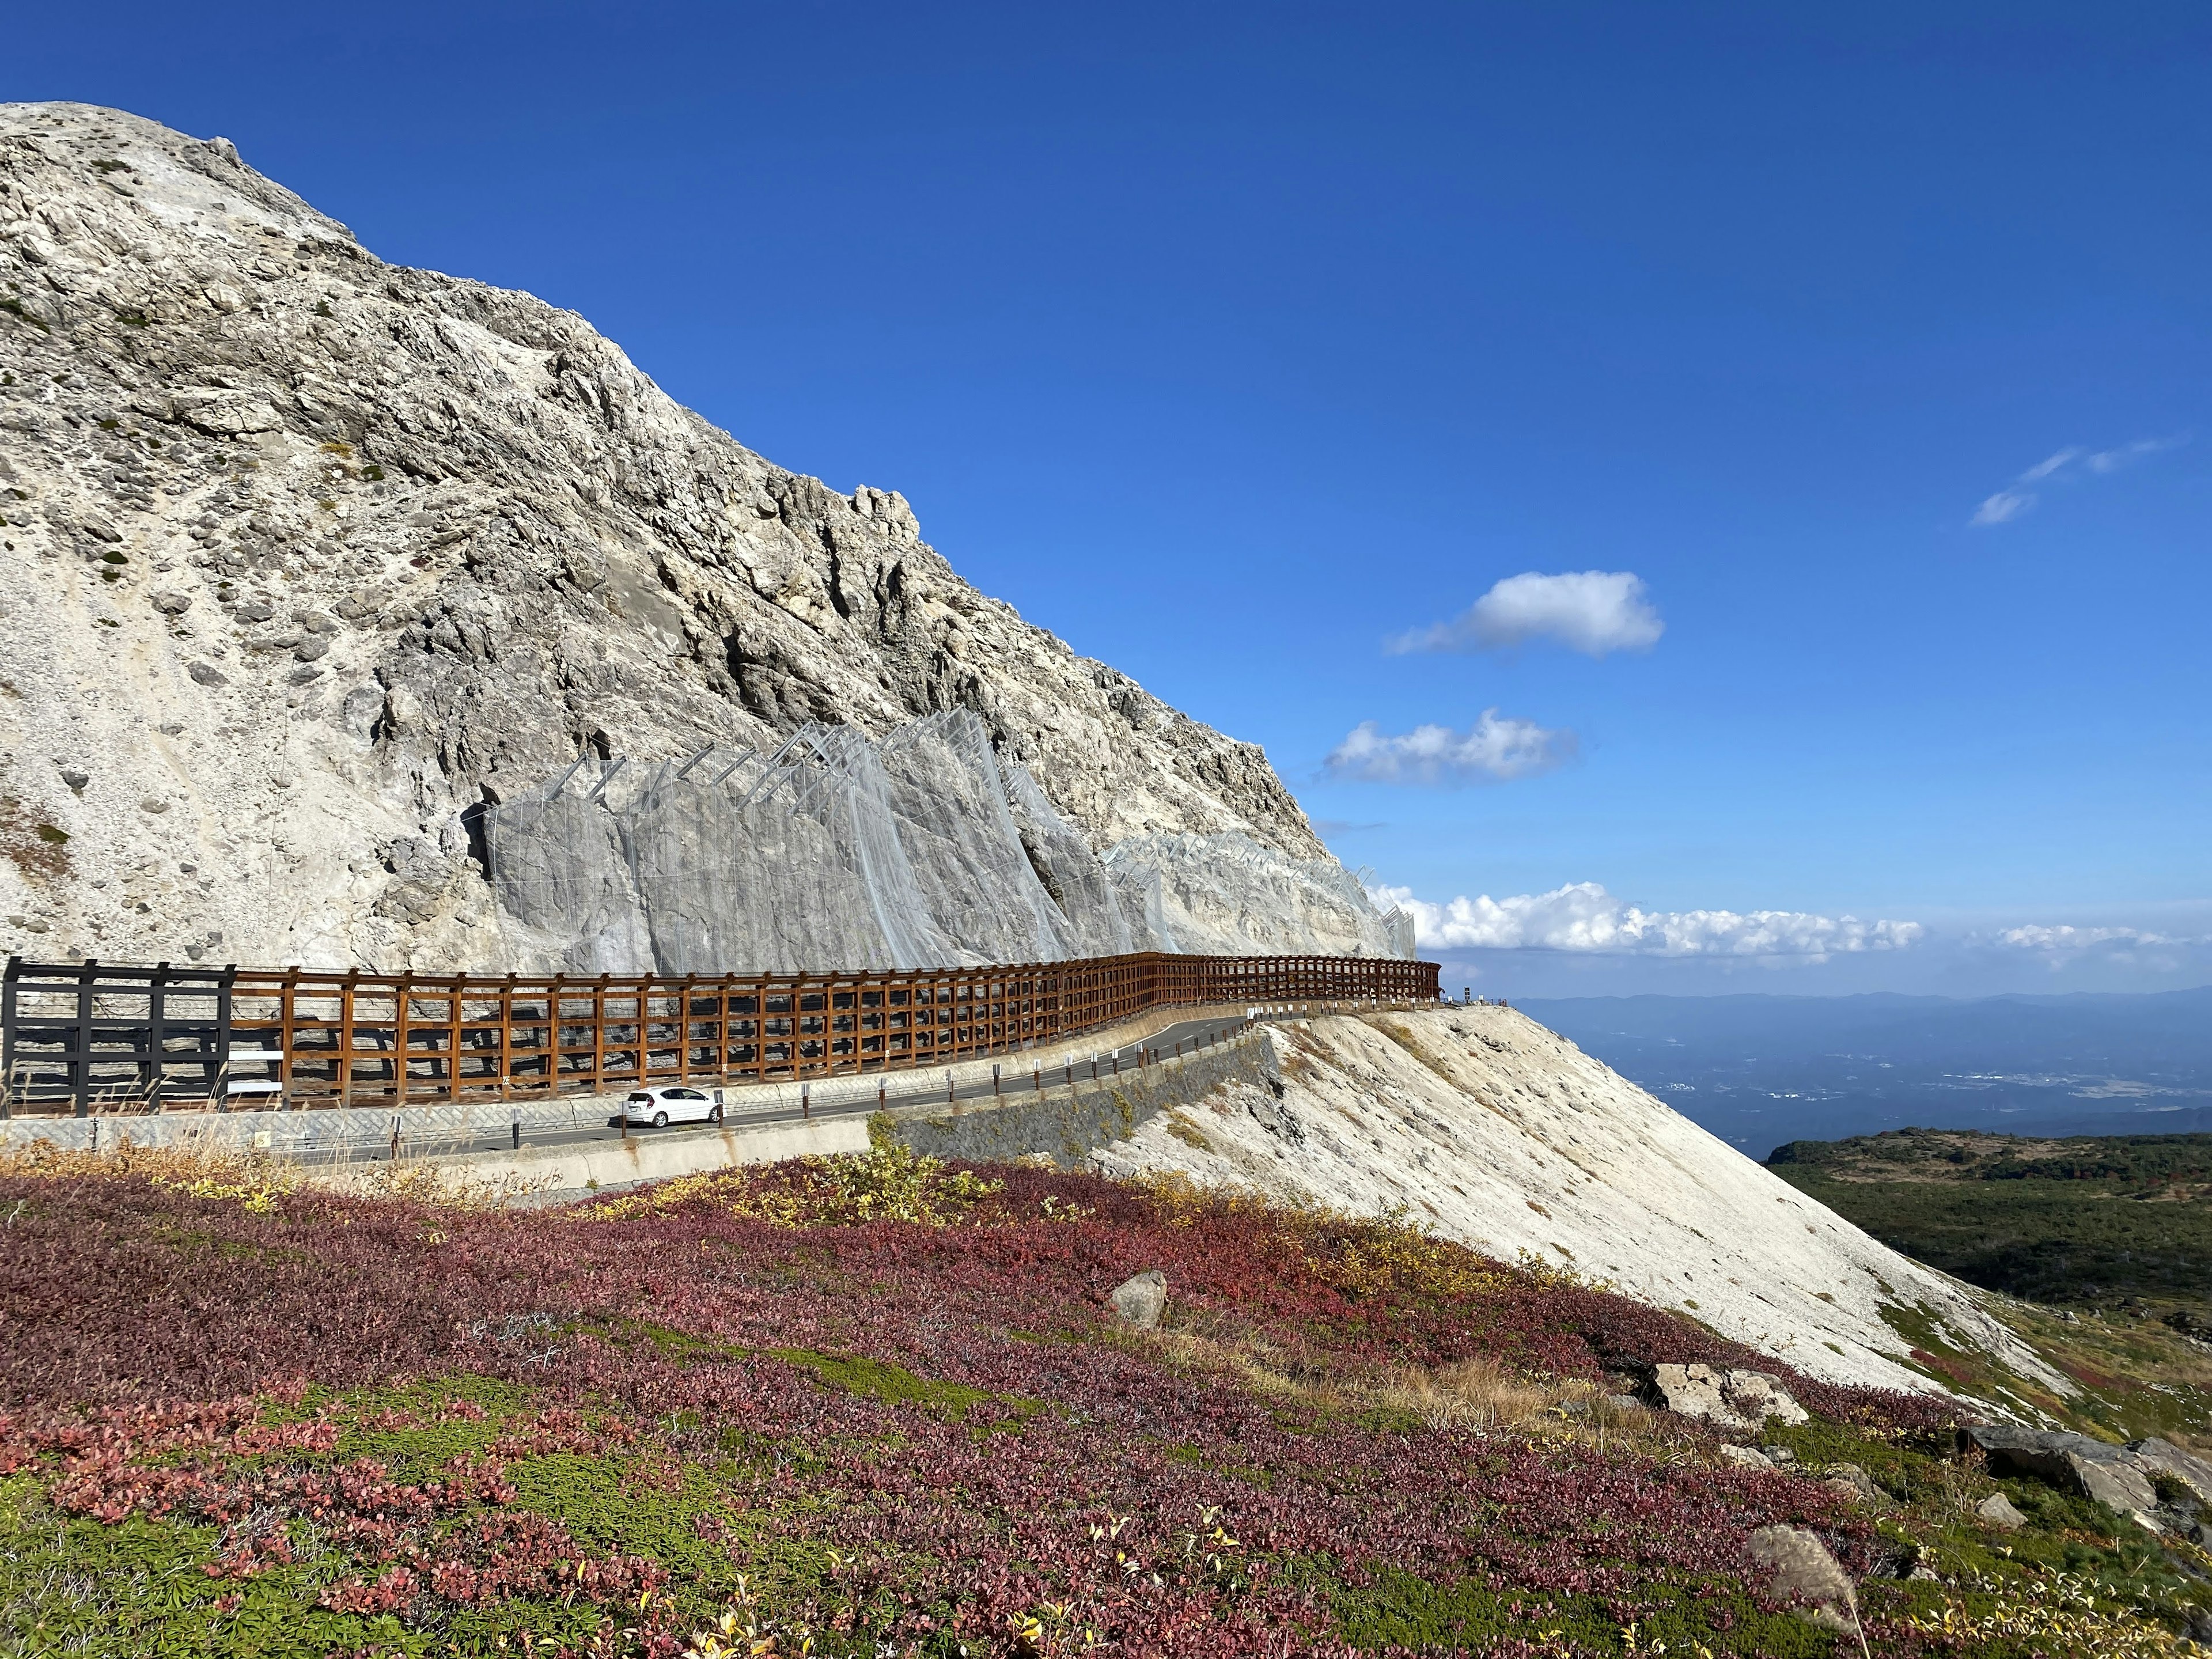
{"x": 334, "y": 1038}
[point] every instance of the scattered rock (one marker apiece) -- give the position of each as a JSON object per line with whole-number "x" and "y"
{"x": 1781, "y": 1456}
{"x": 1850, "y": 1481}
{"x": 1744, "y": 1458}
{"x": 255, "y": 611}
{"x": 1728, "y": 1400}
{"x": 76, "y": 780}
{"x": 1277, "y": 1120}
{"x": 173, "y": 605}
{"x": 215, "y": 411}
{"x": 2112, "y": 1475}
{"x": 152, "y": 803}
{"x": 207, "y": 674}
{"x": 1997, "y": 1510}
{"x": 1141, "y": 1299}
{"x": 1799, "y": 1570}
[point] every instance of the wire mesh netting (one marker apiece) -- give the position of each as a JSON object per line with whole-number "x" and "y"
{"x": 922, "y": 849}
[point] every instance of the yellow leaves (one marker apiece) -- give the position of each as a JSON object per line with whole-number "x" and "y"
{"x": 2059, "y": 1607}
{"x": 732, "y": 1638}
{"x": 1050, "y": 1630}
{"x": 257, "y": 1198}
{"x": 889, "y": 1182}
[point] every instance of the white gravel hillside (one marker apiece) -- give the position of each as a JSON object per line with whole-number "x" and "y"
{"x": 1506, "y": 1136}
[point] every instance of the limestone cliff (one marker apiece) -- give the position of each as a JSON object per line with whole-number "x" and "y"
{"x": 309, "y": 558}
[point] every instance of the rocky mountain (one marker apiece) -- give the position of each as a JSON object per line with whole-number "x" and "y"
{"x": 322, "y": 575}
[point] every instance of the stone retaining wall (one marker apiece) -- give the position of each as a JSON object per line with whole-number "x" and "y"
{"x": 1066, "y": 1123}
{"x": 323, "y": 1132}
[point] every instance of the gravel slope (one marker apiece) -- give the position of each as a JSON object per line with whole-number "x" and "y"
{"x": 1503, "y": 1135}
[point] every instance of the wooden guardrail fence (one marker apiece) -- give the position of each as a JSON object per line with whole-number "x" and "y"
{"x": 75, "y": 1034}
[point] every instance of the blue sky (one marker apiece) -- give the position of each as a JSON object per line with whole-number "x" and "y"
{"x": 1234, "y": 342}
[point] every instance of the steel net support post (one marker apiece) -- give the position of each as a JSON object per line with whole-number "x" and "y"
{"x": 81, "y": 1043}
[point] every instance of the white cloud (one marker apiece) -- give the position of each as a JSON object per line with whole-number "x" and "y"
{"x": 1593, "y": 611}
{"x": 1583, "y": 917}
{"x": 2036, "y": 937}
{"x": 2064, "y": 467}
{"x": 2003, "y": 507}
{"x": 1492, "y": 751}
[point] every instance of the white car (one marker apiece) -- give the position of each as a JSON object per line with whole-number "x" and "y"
{"x": 673, "y": 1103}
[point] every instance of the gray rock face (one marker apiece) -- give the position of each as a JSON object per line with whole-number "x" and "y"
{"x": 2155, "y": 1457}
{"x": 1142, "y": 1298}
{"x": 330, "y": 552}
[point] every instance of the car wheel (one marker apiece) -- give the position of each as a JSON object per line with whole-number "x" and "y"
{"x": 713, "y": 1115}
{"x": 660, "y": 1119}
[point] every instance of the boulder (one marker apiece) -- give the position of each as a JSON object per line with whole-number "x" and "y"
{"x": 1693, "y": 1391}
{"x": 1850, "y": 1481}
{"x": 1140, "y": 1299}
{"x": 2116, "y": 1484}
{"x": 1744, "y": 1458}
{"x": 1758, "y": 1395}
{"x": 1727, "y": 1400}
{"x": 1997, "y": 1510}
{"x": 2155, "y": 1457}
{"x": 2072, "y": 1463}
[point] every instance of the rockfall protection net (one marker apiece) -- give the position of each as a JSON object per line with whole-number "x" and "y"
{"x": 921, "y": 850}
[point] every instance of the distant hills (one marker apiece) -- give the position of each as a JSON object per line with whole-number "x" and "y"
{"x": 1759, "y": 1071}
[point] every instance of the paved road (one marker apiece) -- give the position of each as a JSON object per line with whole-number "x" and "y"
{"x": 903, "y": 1089}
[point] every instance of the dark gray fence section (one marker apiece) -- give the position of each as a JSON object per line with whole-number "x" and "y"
{"x": 88, "y": 1033}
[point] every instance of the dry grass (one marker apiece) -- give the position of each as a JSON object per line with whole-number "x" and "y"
{"x": 1180, "y": 1126}
{"x": 1467, "y": 1395}
{"x": 217, "y": 1169}
{"x": 1410, "y": 1040}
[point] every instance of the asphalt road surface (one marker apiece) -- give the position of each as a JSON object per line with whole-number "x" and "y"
{"x": 901, "y": 1089}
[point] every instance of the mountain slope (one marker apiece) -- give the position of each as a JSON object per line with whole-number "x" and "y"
{"x": 307, "y": 555}
{"x": 1499, "y": 1133}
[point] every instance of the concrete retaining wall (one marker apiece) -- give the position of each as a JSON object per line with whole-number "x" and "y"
{"x": 604, "y": 1164}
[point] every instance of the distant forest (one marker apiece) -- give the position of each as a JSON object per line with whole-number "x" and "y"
{"x": 2092, "y": 1221}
